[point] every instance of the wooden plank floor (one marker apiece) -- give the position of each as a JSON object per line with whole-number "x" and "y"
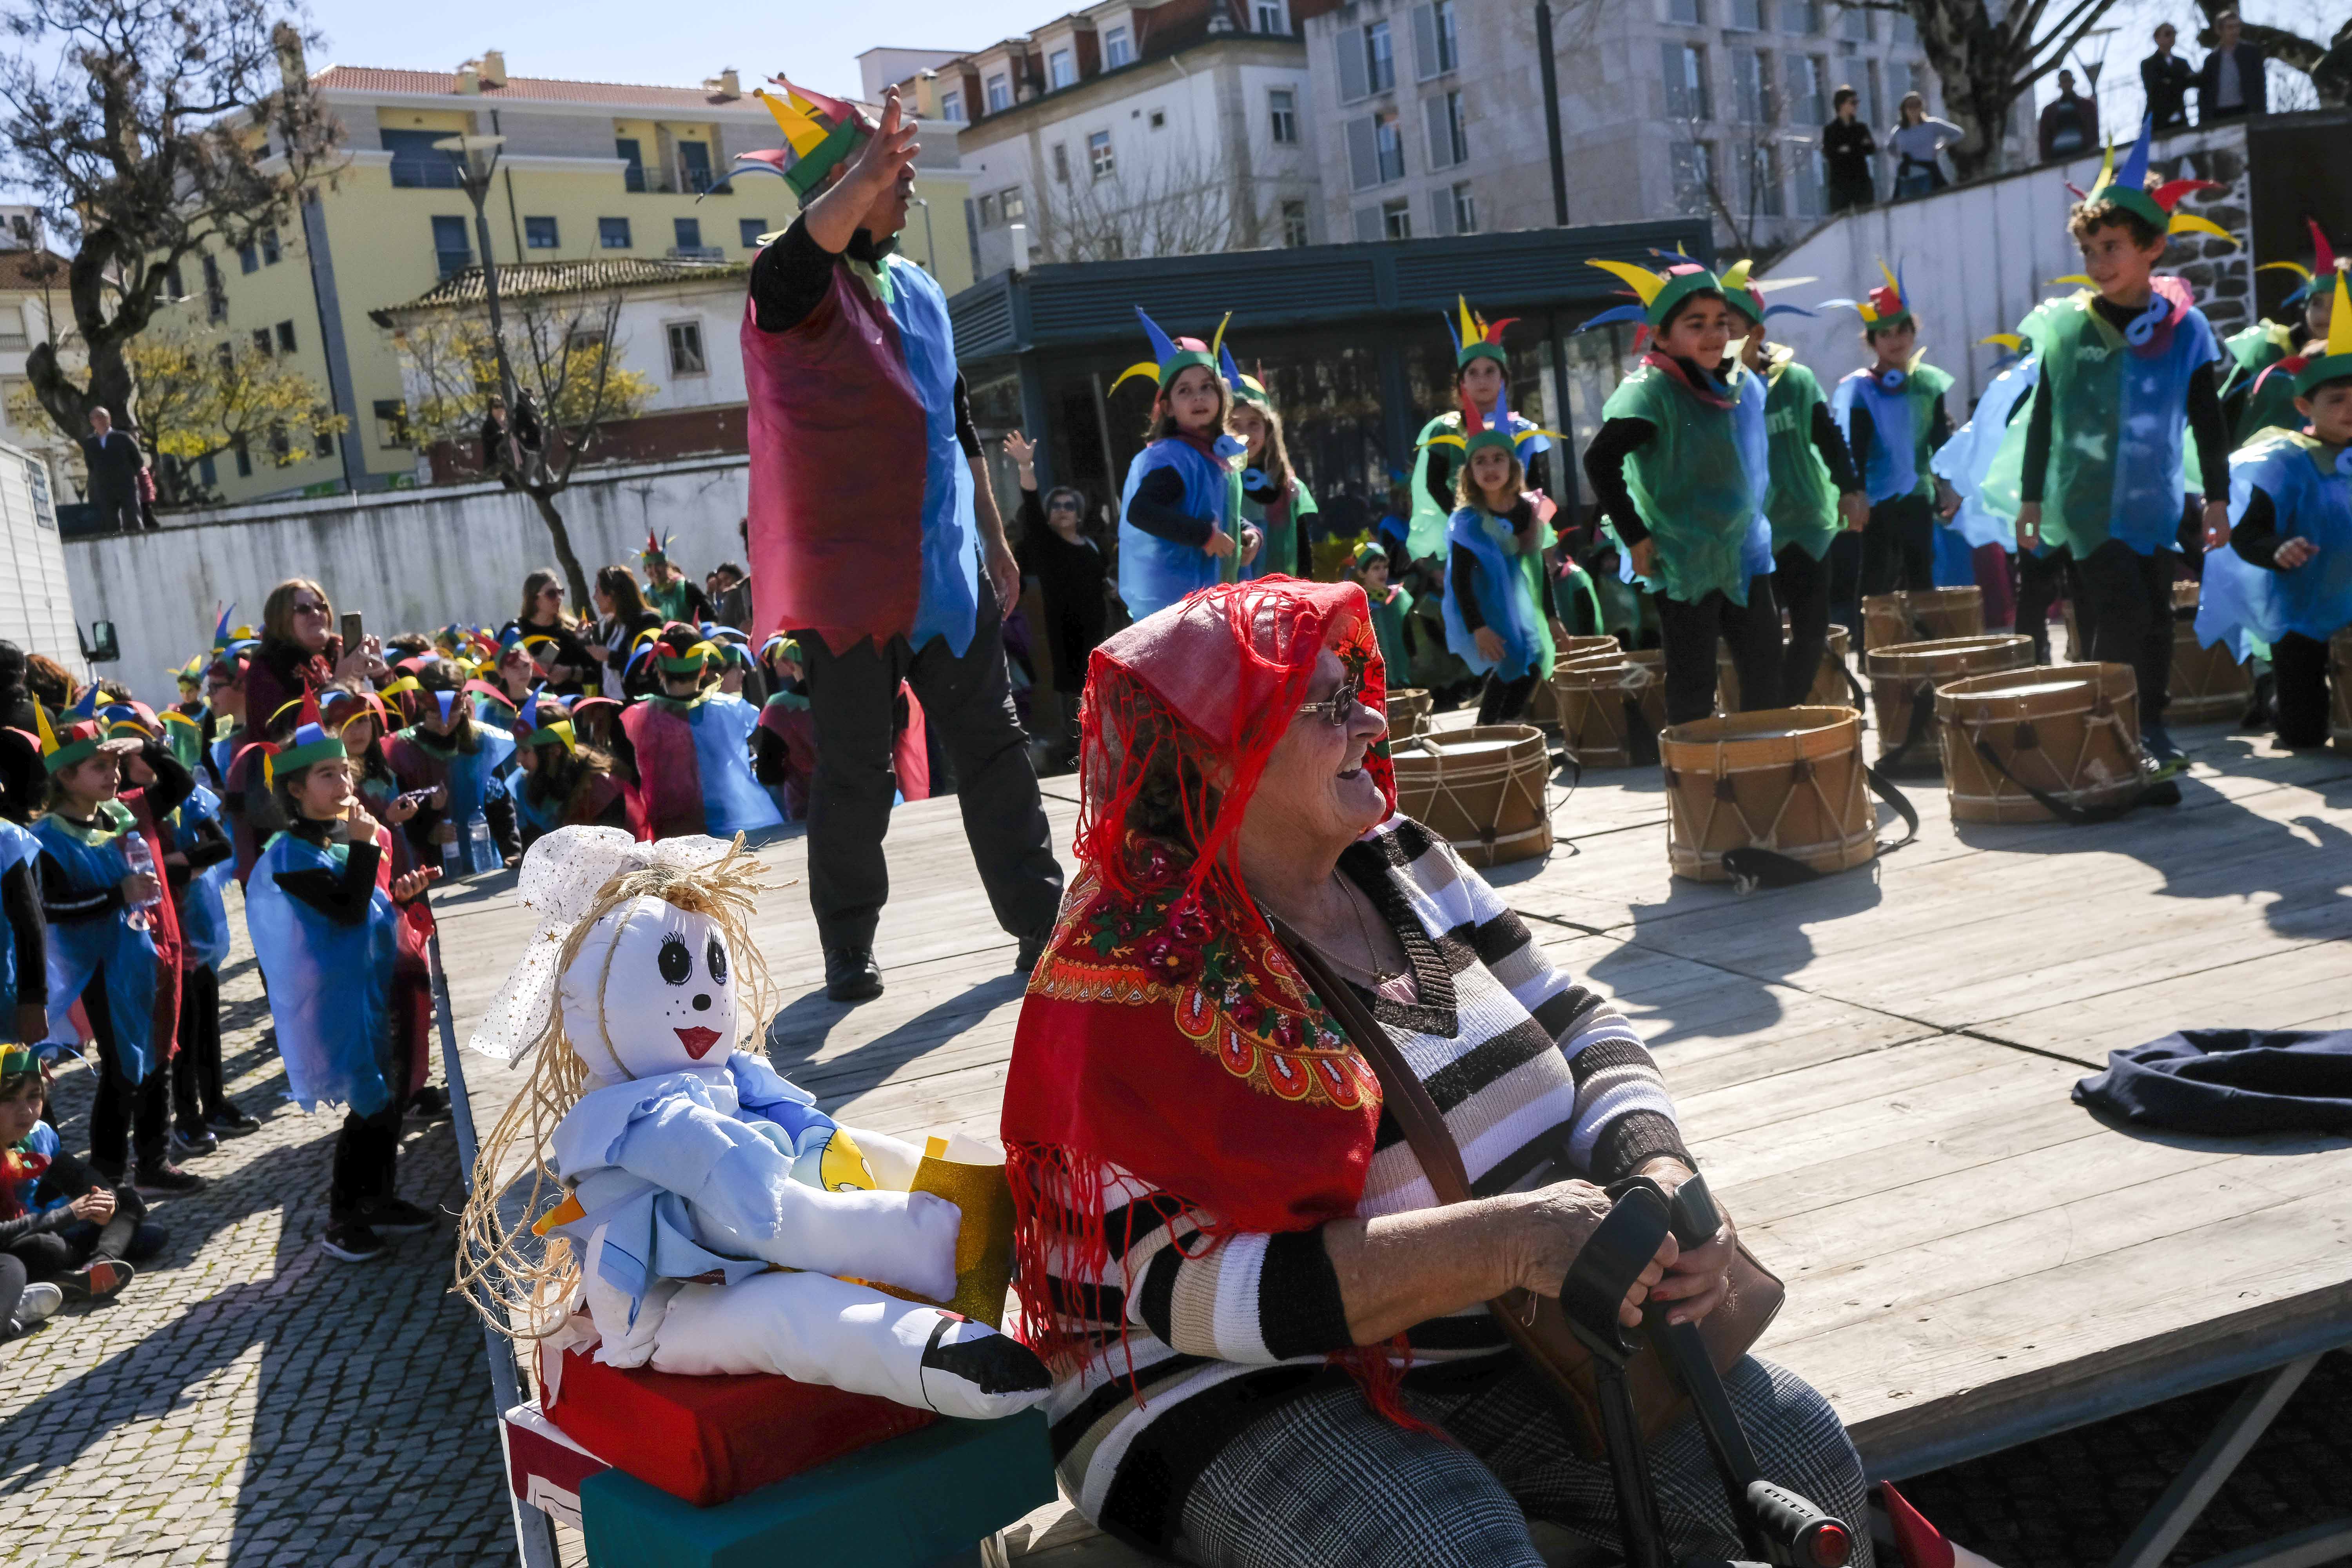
{"x": 1874, "y": 1069}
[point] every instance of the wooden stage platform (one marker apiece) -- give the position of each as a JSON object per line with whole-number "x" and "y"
{"x": 1872, "y": 1068}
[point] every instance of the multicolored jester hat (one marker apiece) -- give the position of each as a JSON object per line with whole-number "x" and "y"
{"x": 2325, "y": 262}
{"x": 2127, "y": 188}
{"x": 820, "y": 133}
{"x": 1171, "y": 357}
{"x": 1479, "y": 433}
{"x": 2334, "y": 359}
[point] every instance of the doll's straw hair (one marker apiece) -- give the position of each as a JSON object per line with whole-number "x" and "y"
{"x": 522, "y": 1286}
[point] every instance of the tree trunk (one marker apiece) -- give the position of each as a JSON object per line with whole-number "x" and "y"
{"x": 574, "y": 577}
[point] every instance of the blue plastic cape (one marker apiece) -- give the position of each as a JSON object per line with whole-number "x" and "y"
{"x": 17, "y": 847}
{"x": 732, "y": 800}
{"x": 81, "y": 950}
{"x": 1890, "y": 469}
{"x": 203, "y": 909}
{"x": 1754, "y": 440}
{"x": 474, "y": 778}
{"x": 949, "y": 605}
{"x": 1987, "y": 515}
{"x": 2243, "y": 604}
{"x": 1426, "y": 528}
{"x": 1497, "y": 589}
{"x": 329, "y": 985}
{"x": 1155, "y": 573}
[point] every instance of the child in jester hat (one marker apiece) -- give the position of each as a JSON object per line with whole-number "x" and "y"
{"x": 331, "y": 928}
{"x": 1681, "y": 467}
{"x": 1481, "y": 371}
{"x": 2286, "y": 579}
{"x": 1180, "y": 512}
{"x": 692, "y": 745}
{"x": 2124, "y": 367}
{"x": 564, "y": 782}
{"x": 1495, "y": 614}
{"x": 1274, "y": 500}
{"x": 1894, "y": 417}
{"x": 2253, "y": 402}
{"x": 1815, "y": 493}
{"x": 1391, "y": 604}
{"x": 457, "y": 765}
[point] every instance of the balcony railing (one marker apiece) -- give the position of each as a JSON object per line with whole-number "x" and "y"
{"x": 436, "y": 173}
{"x": 667, "y": 183}
{"x": 697, "y": 253}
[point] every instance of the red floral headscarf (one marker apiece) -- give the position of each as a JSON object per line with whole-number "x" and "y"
{"x": 1165, "y": 1032}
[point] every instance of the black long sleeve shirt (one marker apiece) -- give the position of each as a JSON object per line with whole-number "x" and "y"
{"x": 1829, "y": 442}
{"x": 2207, "y": 424}
{"x": 65, "y": 901}
{"x": 20, "y": 898}
{"x": 1462, "y": 566}
{"x": 342, "y": 896}
{"x": 1157, "y": 507}
{"x": 2256, "y": 536}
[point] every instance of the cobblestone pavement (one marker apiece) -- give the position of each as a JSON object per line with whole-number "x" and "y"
{"x": 250, "y": 1399}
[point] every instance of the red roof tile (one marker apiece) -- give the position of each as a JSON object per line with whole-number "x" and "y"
{"x": 32, "y": 271}
{"x": 521, "y": 88}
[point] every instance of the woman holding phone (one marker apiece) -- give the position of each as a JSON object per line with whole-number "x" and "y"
{"x": 300, "y": 651}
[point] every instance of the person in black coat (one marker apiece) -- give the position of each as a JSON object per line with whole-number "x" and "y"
{"x": 2165, "y": 77}
{"x": 1071, "y": 572}
{"x": 115, "y": 463}
{"x": 2230, "y": 84}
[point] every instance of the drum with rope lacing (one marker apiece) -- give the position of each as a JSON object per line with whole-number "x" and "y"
{"x": 2030, "y": 746}
{"x": 1481, "y": 790}
{"x": 1903, "y": 682}
{"x": 1922, "y": 615}
{"x": 1791, "y": 781}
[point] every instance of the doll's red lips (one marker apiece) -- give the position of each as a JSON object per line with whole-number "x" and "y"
{"x": 697, "y": 1040}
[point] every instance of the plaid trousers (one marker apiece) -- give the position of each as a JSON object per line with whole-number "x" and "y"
{"x": 1325, "y": 1480}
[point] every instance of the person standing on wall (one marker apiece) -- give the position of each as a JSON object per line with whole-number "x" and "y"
{"x": 875, "y": 541}
{"x": 2230, "y": 84}
{"x": 2165, "y": 77}
{"x": 2070, "y": 122}
{"x": 115, "y": 464}
{"x": 1848, "y": 147}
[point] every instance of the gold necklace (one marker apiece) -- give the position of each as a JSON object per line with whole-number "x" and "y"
{"x": 1371, "y": 954}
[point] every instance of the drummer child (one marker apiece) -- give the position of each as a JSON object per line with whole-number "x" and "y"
{"x": 1494, "y": 620}
{"x": 1895, "y": 418}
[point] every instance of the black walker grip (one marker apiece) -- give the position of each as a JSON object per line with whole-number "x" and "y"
{"x": 1607, "y": 1265}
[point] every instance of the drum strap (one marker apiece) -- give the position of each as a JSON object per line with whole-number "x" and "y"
{"x": 1753, "y": 865}
{"x": 2066, "y": 811}
{"x": 1641, "y": 740}
{"x": 1922, "y": 718}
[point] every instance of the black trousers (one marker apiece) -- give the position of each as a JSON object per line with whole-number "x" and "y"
{"x": 2040, "y": 580}
{"x": 1502, "y": 702}
{"x": 1898, "y": 547}
{"x": 367, "y": 1148}
{"x": 1844, "y": 565}
{"x": 2124, "y": 611}
{"x": 1689, "y": 632}
{"x": 50, "y": 1253}
{"x": 967, "y": 706}
{"x": 197, "y": 1091}
{"x": 2300, "y": 665}
{"x": 1801, "y": 587}
{"x": 124, "y": 1117}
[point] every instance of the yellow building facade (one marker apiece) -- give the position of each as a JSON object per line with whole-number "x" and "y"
{"x": 587, "y": 170}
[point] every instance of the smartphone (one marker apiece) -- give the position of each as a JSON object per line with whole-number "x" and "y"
{"x": 353, "y": 631}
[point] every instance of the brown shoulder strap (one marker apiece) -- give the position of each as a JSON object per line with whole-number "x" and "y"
{"x": 1405, "y": 1096}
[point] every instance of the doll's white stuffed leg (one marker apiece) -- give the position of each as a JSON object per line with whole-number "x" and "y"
{"x": 813, "y": 1328}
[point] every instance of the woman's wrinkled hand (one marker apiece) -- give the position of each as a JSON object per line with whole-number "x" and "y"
{"x": 1552, "y": 1226}
{"x": 1701, "y": 1276}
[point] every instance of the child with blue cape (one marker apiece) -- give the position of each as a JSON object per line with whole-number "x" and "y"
{"x": 1274, "y": 500}
{"x": 1681, "y": 466}
{"x": 564, "y": 782}
{"x": 2125, "y": 366}
{"x": 1894, "y": 417}
{"x": 1979, "y": 493}
{"x": 2285, "y": 582}
{"x": 692, "y": 745}
{"x": 329, "y": 930}
{"x": 113, "y": 936}
{"x": 1482, "y": 368}
{"x": 464, "y": 764}
{"x": 1493, "y": 596}
{"x": 2252, "y": 400}
{"x": 1180, "y": 525}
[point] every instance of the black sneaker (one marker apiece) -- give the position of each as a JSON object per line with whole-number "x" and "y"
{"x": 231, "y": 1122}
{"x": 2158, "y": 743}
{"x": 397, "y": 1217}
{"x": 167, "y": 1177}
{"x": 188, "y": 1145}
{"x": 851, "y": 975}
{"x": 96, "y": 1280}
{"x": 430, "y": 1101}
{"x": 351, "y": 1240}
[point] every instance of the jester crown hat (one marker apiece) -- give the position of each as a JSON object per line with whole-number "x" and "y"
{"x": 1746, "y": 295}
{"x": 1479, "y": 433}
{"x": 543, "y": 721}
{"x": 1658, "y": 294}
{"x": 2333, "y": 360}
{"x": 1477, "y": 337}
{"x": 820, "y": 133}
{"x": 1171, "y": 357}
{"x": 1888, "y": 305}
{"x": 85, "y": 732}
{"x": 2127, "y": 188}
{"x": 2324, "y": 262}
{"x": 312, "y": 742}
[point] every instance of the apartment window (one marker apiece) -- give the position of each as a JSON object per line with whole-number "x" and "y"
{"x": 1272, "y": 16}
{"x": 1465, "y": 209}
{"x": 1000, "y": 93}
{"x": 286, "y": 337}
{"x": 1380, "y": 58}
{"x": 392, "y": 422}
{"x": 1281, "y": 111}
{"x": 1686, "y": 73}
{"x": 1396, "y": 219}
{"x": 686, "y": 348}
{"x": 538, "y": 234}
{"x": 261, "y": 340}
{"x": 451, "y": 249}
{"x": 1013, "y": 204}
{"x": 749, "y": 230}
{"x": 693, "y": 166}
{"x": 951, "y": 108}
{"x": 216, "y": 292}
{"x": 11, "y": 326}
{"x": 416, "y": 163}
{"x": 1449, "y": 142}
{"x": 1436, "y": 44}
{"x": 270, "y": 248}
{"x": 1813, "y": 184}
{"x": 1160, "y": 120}
{"x": 1764, "y": 198}
{"x": 1101, "y": 162}
{"x": 1752, "y": 86}
{"x": 1685, "y": 11}
{"x": 281, "y": 445}
{"x": 632, "y": 158}
{"x": 1854, "y": 23}
{"x": 988, "y": 210}
{"x": 613, "y": 233}
{"x": 1388, "y": 141}
{"x": 1294, "y": 225}
{"x": 167, "y": 286}
{"x": 322, "y": 442}
{"x": 687, "y": 233}
{"x": 1061, "y": 69}
{"x": 1808, "y": 102}
{"x": 1117, "y": 50}
{"x": 1747, "y": 16}
{"x": 206, "y": 472}
{"x": 248, "y": 259}
{"x": 1062, "y": 162}
{"x": 1694, "y": 163}
{"x": 1802, "y": 18}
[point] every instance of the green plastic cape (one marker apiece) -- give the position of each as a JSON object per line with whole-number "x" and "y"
{"x": 1689, "y": 485}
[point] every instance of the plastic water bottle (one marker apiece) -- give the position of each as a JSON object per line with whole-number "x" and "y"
{"x": 449, "y": 866}
{"x": 142, "y": 861}
{"x": 480, "y": 853}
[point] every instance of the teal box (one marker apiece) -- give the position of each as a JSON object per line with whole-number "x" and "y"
{"x": 905, "y": 1503}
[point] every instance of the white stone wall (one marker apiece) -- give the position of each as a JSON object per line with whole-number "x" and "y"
{"x": 408, "y": 560}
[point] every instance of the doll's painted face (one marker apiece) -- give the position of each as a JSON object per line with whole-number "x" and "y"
{"x": 652, "y": 992}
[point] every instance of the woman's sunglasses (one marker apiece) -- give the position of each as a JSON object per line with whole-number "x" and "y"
{"x": 1340, "y": 706}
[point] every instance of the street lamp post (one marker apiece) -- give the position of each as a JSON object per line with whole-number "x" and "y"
{"x": 476, "y": 157}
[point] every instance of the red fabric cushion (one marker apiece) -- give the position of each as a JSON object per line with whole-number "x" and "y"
{"x": 706, "y": 1440}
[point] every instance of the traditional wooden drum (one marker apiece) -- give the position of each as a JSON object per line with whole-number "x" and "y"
{"x": 2071, "y": 730}
{"x": 2208, "y": 683}
{"x": 1410, "y": 708}
{"x": 1904, "y": 678}
{"x": 1790, "y": 779}
{"x": 1602, "y": 698}
{"x": 1481, "y": 790}
{"x": 1543, "y": 702}
{"x": 1929, "y": 614}
{"x": 2339, "y": 689}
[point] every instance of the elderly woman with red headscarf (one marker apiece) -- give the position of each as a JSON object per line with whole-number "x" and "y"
{"x": 1272, "y": 1344}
